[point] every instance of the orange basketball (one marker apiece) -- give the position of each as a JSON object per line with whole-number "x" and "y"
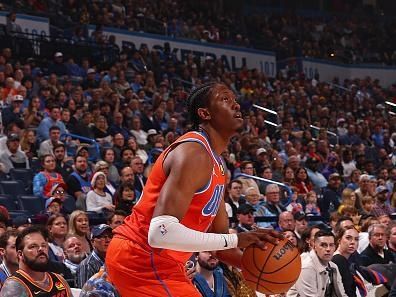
{"x": 274, "y": 270}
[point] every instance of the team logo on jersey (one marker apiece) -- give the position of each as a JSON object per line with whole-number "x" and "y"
{"x": 59, "y": 286}
{"x": 213, "y": 204}
{"x": 163, "y": 230}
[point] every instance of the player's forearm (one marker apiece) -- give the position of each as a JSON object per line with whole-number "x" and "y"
{"x": 167, "y": 232}
{"x": 231, "y": 257}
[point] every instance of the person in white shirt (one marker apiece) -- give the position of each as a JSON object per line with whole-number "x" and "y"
{"x": 97, "y": 199}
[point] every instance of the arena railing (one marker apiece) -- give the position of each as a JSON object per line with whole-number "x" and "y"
{"x": 94, "y": 148}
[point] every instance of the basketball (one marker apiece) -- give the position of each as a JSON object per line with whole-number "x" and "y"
{"x": 274, "y": 270}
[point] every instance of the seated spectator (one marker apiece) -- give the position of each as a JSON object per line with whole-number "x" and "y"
{"x": 32, "y": 114}
{"x": 13, "y": 113}
{"x": 21, "y": 222}
{"x": 286, "y": 222}
{"x": 384, "y": 220}
{"x": 62, "y": 167}
{"x": 116, "y": 218}
{"x": 292, "y": 237}
{"x": 348, "y": 197}
{"x": 368, "y": 203}
{"x": 376, "y": 253}
{"x": 319, "y": 276}
{"x": 301, "y": 223}
{"x": 234, "y": 199}
{"x": 32, "y": 274}
{"x": 137, "y": 166}
{"x": 44, "y": 181}
{"x": 9, "y": 265}
{"x": 209, "y": 279}
{"x": 74, "y": 254}
{"x": 311, "y": 204}
{"x": 317, "y": 178}
{"x": 296, "y": 203}
{"x": 131, "y": 143}
{"x": 101, "y": 236}
{"x": 57, "y": 231}
{"x": 331, "y": 197}
{"x": 78, "y": 182}
{"x": 12, "y": 157}
{"x": 363, "y": 235}
{"x": 308, "y": 239}
{"x": 125, "y": 197}
{"x": 351, "y": 272}
{"x": 245, "y": 218}
{"x": 101, "y": 131}
{"x": 102, "y": 166}
{"x": 97, "y": 199}
{"x": 273, "y": 200}
{"x": 29, "y": 143}
{"x": 52, "y": 120}
{"x": 47, "y": 146}
{"x": 381, "y": 207}
{"x": 363, "y": 190}
{"x": 53, "y": 206}
{"x": 247, "y": 168}
{"x": 126, "y": 155}
{"x": 139, "y": 134}
{"x": 109, "y": 156}
{"x": 252, "y": 197}
{"x": 79, "y": 227}
{"x": 301, "y": 183}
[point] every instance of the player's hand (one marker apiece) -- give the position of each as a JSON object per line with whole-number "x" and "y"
{"x": 191, "y": 270}
{"x": 258, "y": 237}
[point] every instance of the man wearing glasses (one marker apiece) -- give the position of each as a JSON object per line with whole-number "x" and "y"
{"x": 319, "y": 276}
{"x": 101, "y": 236}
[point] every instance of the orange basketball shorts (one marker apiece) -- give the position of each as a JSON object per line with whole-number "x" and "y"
{"x": 137, "y": 272}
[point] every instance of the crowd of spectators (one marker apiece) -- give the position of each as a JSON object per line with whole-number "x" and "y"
{"x": 135, "y": 108}
{"x": 362, "y": 38}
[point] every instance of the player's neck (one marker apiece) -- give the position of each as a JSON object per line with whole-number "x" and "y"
{"x": 217, "y": 141}
{"x": 37, "y": 276}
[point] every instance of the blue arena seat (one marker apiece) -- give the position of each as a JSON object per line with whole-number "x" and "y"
{"x": 12, "y": 187}
{"x": 23, "y": 175}
{"x": 31, "y": 203}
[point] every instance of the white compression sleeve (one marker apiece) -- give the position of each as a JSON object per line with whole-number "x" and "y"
{"x": 166, "y": 232}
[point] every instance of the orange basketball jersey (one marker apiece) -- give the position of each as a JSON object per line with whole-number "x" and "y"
{"x": 200, "y": 214}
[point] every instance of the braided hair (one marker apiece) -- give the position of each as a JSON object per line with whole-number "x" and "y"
{"x": 198, "y": 98}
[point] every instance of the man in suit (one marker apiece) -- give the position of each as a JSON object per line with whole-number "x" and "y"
{"x": 138, "y": 169}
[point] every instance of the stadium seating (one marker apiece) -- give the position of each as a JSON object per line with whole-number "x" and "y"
{"x": 31, "y": 203}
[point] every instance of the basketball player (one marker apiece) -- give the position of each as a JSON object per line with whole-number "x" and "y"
{"x": 32, "y": 278}
{"x": 182, "y": 208}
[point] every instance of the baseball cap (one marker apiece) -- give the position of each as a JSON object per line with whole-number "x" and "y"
{"x": 300, "y": 215}
{"x": 261, "y": 151}
{"x": 381, "y": 189}
{"x": 55, "y": 186}
{"x": 17, "y": 98}
{"x": 151, "y": 132}
{"x": 91, "y": 70}
{"x": 98, "y": 230}
{"x": 49, "y": 201}
{"x": 58, "y": 54}
{"x": 13, "y": 137}
{"x": 245, "y": 209}
{"x": 21, "y": 220}
{"x": 334, "y": 175}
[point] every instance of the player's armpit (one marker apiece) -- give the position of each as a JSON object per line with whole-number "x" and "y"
{"x": 188, "y": 168}
{"x": 12, "y": 288}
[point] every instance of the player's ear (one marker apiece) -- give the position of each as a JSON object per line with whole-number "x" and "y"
{"x": 204, "y": 114}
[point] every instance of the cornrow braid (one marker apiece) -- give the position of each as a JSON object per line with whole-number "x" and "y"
{"x": 198, "y": 98}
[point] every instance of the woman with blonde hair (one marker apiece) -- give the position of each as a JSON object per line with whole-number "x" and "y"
{"x": 79, "y": 227}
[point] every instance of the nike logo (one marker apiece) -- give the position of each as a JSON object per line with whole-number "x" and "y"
{"x": 36, "y": 292}
{"x": 225, "y": 242}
